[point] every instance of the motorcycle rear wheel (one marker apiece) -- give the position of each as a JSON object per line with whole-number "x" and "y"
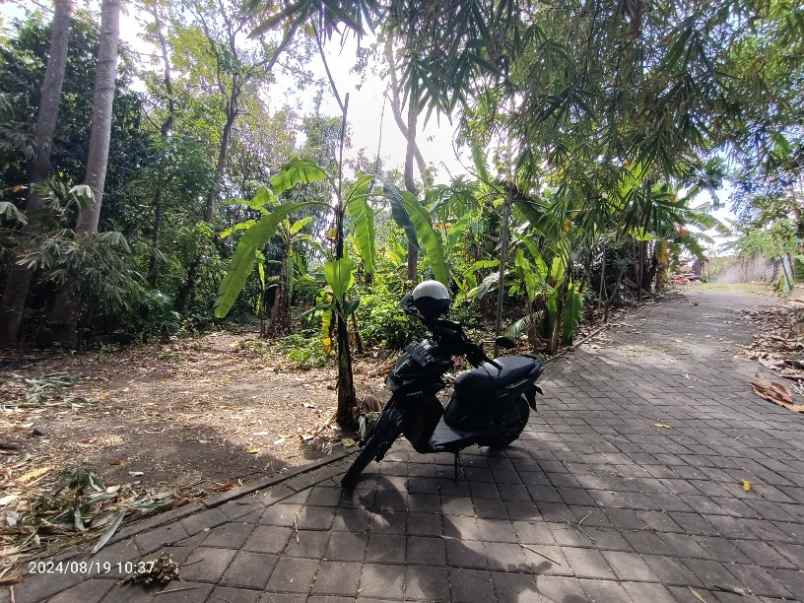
{"x": 504, "y": 440}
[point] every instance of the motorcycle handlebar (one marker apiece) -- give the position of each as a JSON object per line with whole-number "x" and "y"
{"x": 452, "y": 334}
{"x": 478, "y": 353}
{"x": 473, "y": 352}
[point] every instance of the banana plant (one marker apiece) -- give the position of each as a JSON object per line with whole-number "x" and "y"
{"x": 289, "y": 233}
{"x": 352, "y": 202}
{"x": 415, "y": 220}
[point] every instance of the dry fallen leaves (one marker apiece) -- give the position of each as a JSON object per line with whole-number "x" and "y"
{"x": 155, "y": 572}
{"x": 778, "y": 341}
{"x": 775, "y": 392}
{"x": 29, "y": 477}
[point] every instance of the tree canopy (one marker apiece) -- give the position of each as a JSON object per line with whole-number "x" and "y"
{"x": 602, "y": 136}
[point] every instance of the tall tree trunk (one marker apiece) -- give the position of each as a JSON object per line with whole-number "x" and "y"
{"x": 356, "y": 331}
{"x": 504, "y": 235}
{"x": 223, "y": 150}
{"x": 103, "y": 99}
{"x": 396, "y": 109}
{"x": 188, "y": 287}
{"x": 347, "y": 397}
{"x": 602, "y": 281}
{"x": 637, "y": 251}
{"x": 153, "y": 261}
{"x": 64, "y": 312}
{"x": 167, "y": 126}
{"x": 18, "y": 285}
{"x": 556, "y": 334}
{"x": 410, "y": 184}
{"x": 643, "y": 271}
{"x": 412, "y": 152}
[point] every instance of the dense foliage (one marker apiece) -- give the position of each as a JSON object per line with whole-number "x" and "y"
{"x": 602, "y": 134}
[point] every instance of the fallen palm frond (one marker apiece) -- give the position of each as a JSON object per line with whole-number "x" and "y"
{"x": 76, "y": 508}
{"x": 45, "y": 391}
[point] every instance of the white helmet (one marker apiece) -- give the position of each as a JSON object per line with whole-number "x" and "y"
{"x": 431, "y": 299}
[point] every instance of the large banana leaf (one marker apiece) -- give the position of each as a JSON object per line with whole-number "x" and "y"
{"x": 486, "y": 285}
{"x": 362, "y": 217}
{"x": 531, "y": 276}
{"x": 339, "y": 275}
{"x": 263, "y": 200}
{"x": 297, "y": 226}
{"x": 10, "y": 211}
{"x": 228, "y": 232}
{"x": 484, "y": 265}
{"x": 398, "y": 213}
{"x": 245, "y": 256}
{"x": 297, "y": 171}
{"x": 426, "y": 234}
{"x": 536, "y": 256}
{"x": 429, "y": 238}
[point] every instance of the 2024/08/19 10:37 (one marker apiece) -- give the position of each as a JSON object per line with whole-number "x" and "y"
{"x": 101, "y": 568}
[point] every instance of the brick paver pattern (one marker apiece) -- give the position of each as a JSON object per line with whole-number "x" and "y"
{"x": 626, "y": 486}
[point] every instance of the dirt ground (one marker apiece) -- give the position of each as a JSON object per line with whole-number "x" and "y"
{"x": 203, "y": 411}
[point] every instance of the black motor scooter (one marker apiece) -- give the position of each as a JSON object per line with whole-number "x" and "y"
{"x": 489, "y": 406}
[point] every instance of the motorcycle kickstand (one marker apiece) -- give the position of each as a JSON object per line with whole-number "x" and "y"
{"x": 456, "y": 467}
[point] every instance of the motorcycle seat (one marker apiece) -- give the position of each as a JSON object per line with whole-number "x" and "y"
{"x": 514, "y": 369}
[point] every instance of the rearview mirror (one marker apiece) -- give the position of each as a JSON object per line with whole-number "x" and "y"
{"x": 505, "y": 342}
{"x": 408, "y": 306}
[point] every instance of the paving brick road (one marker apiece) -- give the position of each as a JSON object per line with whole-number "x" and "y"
{"x": 627, "y": 486}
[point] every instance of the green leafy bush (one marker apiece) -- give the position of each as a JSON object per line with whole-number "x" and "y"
{"x": 382, "y": 321}
{"x": 305, "y": 350}
{"x": 155, "y": 316}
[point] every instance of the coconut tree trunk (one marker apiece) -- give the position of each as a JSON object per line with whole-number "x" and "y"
{"x": 19, "y": 279}
{"x": 412, "y": 152}
{"x": 188, "y": 287}
{"x": 64, "y": 312}
{"x": 347, "y": 397}
{"x": 602, "y": 281}
{"x": 153, "y": 261}
{"x": 223, "y": 150}
{"x": 396, "y": 109}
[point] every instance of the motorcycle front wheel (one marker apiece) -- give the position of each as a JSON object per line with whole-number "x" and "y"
{"x": 385, "y": 433}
